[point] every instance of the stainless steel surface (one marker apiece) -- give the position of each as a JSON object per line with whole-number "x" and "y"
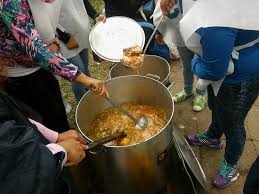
{"x": 187, "y": 153}
{"x": 153, "y": 65}
{"x": 151, "y": 75}
{"x": 143, "y": 122}
{"x": 109, "y": 39}
{"x": 139, "y": 168}
{"x": 171, "y": 85}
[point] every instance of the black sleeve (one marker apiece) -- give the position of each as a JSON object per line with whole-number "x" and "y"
{"x": 63, "y": 36}
{"x": 135, "y": 4}
{"x": 90, "y": 10}
{"x": 127, "y": 8}
{"x": 130, "y": 4}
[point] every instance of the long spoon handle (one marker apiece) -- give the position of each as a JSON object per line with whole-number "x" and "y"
{"x": 117, "y": 105}
{"x": 152, "y": 35}
{"x": 105, "y": 140}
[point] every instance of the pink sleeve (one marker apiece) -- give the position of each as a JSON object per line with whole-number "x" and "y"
{"x": 50, "y": 135}
{"x": 55, "y": 148}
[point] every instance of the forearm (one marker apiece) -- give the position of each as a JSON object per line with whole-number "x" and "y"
{"x": 217, "y": 45}
{"x": 19, "y": 21}
{"x": 63, "y": 36}
{"x": 83, "y": 79}
{"x": 50, "y": 135}
{"x": 201, "y": 70}
{"x": 90, "y": 10}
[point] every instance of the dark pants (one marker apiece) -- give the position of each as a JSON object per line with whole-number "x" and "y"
{"x": 40, "y": 91}
{"x": 229, "y": 110}
{"x": 252, "y": 180}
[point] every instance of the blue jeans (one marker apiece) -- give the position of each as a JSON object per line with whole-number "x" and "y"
{"x": 186, "y": 58}
{"x": 229, "y": 110}
{"x": 81, "y": 61}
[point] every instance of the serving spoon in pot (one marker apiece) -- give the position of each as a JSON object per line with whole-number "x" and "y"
{"x": 140, "y": 124}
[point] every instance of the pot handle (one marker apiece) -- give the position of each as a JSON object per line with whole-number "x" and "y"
{"x": 98, "y": 144}
{"x": 171, "y": 84}
{"x": 151, "y": 75}
{"x": 93, "y": 148}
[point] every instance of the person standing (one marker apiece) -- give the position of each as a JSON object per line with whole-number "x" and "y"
{"x": 33, "y": 153}
{"x": 226, "y": 62}
{"x": 170, "y": 29}
{"x": 74, "y": 27}
{"x": 30, "y": 64}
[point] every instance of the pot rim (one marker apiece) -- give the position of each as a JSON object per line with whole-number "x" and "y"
{"x": 164, "y": 81}
{"x": 131, "y": 145}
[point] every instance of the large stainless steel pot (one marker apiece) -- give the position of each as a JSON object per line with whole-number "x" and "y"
{"x": 135, "y": 169}
{"x": 153, "y": 66}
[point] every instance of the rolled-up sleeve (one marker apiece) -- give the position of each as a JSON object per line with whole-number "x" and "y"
{"x": 52, "y": 136}
{"x": 217, "y": 46}
{"x": 55, "y": 148}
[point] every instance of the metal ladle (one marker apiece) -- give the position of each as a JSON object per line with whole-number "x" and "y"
{"x": 150, "y": 38}
{"x": 140, "y": 124}
{"x": 152, "y": 35}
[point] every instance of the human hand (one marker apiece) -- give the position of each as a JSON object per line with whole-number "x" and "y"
{"x": 100, "y": 18}
{"x": 166, "y": 6}
{"x": 54, "y": 47}
{"x": 71, "y": 134}
{"x": 72, "y": 43}
{"x": 98, "y": 87}
{"x": 75, "y": 151}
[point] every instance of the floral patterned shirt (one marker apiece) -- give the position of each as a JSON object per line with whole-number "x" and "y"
{"x": 21, "y": 45}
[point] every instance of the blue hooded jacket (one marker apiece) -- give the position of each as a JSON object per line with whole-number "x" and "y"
{"x": 217, "y": 46}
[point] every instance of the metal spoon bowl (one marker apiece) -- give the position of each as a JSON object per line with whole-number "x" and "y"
{"x": 140, "y": 124}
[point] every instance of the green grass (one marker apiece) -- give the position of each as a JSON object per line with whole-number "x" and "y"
{"x": 97, "y": 71}
{"x": 97, "y": 4}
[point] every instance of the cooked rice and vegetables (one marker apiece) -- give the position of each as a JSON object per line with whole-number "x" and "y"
{"x": 112, "y": 120}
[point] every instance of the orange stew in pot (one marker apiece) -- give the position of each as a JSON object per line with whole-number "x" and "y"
{"x": 112, "y": 120}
